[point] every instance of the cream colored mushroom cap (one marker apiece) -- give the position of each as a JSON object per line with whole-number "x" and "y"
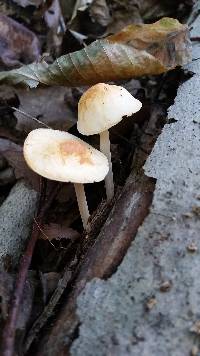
{"x": 63, "y": 157}
{"x": 103, "y": 106}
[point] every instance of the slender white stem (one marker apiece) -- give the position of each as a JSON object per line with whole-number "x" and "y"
{"x": 105, "y": 148}
{"x": 82, "y": 204}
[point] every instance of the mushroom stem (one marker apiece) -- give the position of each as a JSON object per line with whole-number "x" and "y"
{"x": 105, "y": 148}
{"x": 82, "y": 204}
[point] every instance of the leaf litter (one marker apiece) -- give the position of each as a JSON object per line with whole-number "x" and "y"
{"x": 137, "y": 50}
{"x": 18, "y": 45}
{"x": 49, "y": 105}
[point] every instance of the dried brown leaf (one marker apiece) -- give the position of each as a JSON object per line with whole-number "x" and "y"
{"x": 80, "y": 5}
{"x": 17, "y": 44}
{"x": 143, "y": 49}
{"x": 13, "y": 153}
{"x": 124, "y": 13}
{"x": 49, "y": 105}
{"x": 99, "y": 12}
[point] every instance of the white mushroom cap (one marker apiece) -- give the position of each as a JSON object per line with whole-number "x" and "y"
{"x": 103, "y": 106}
{"x": 63, "y": 157}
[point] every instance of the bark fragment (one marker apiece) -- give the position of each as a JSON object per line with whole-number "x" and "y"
{"x": 16, "y": 215}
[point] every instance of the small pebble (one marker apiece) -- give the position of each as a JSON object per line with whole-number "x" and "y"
{"x": 196, "y": 210}
{"x": 151, "y": 303}
{"x": 165, "y": 286}
{"x": 196, "y": 327}
{"x": 192, "y": 247}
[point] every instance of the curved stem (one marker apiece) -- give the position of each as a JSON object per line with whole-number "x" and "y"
{"x": 105, "y": 148}
{"x": 82, "y": 204}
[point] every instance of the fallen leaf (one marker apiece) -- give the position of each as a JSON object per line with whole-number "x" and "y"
{"x": 124, "y": 13}
{"x": 25, "y": 3}
{"x": 7, "y": 8}
{"x": 49, "y": 105}
{"x": 52, "y": 14}
{"x": 13, "y": 153}
{"x": 67, "y": 8}
{"x": 156, "y": 9}
{"x": 80, "y": 5}
{"x": 17, "y": 44}
{"x": 55, "y": 22}
{"x": 99, "y": 12}
{"x": 137, "y": 50}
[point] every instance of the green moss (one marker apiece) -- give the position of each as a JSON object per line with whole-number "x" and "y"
{"x": 169, "y": 23}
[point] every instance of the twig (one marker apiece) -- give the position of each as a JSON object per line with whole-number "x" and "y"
{"x": 8, "y": 338}
{"x": 30, "y": 117}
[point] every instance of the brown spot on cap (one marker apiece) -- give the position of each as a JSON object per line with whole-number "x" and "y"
{"x": 97, "y": 90}
{"x": 75, "y": 148}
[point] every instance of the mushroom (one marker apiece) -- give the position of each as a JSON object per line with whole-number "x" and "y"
{"x": 63, "y": 157}
{"x": 101, "y": 107}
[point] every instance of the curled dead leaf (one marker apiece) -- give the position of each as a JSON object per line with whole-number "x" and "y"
{"x": 143, "y": 49}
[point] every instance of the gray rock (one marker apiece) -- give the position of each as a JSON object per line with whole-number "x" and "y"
{"x": 151, "y": 305}
{"x": 16, "y": 216}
